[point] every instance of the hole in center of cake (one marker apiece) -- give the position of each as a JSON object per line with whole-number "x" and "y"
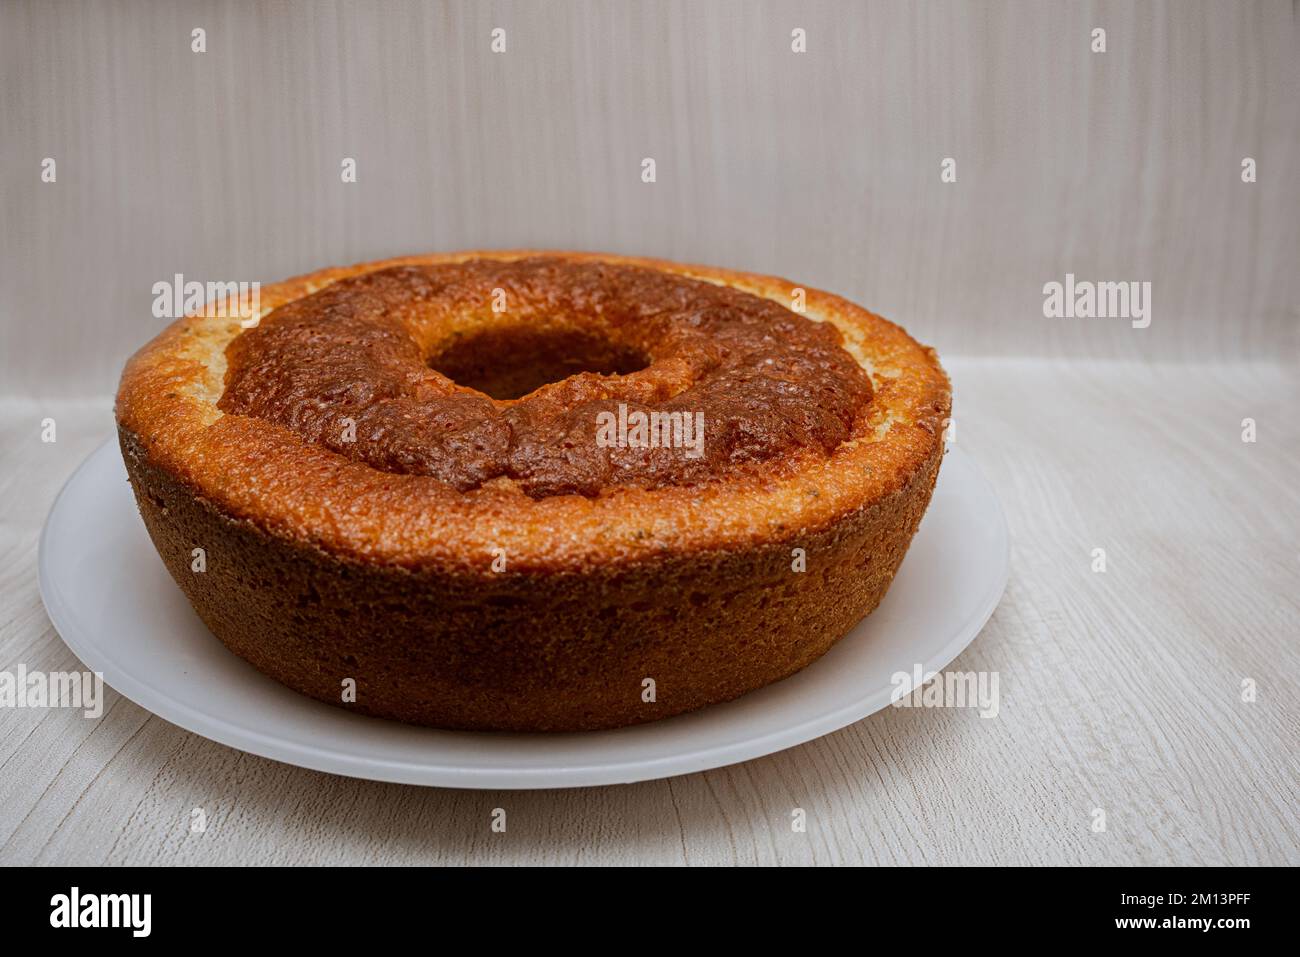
{"x": 508, "y": 362}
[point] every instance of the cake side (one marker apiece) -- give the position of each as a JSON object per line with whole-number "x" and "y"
{"x": 525, "y": 651}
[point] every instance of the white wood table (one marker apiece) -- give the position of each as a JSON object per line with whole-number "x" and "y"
{"x": 1121, "y": 691}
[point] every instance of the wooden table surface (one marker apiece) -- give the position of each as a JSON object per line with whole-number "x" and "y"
{"x": 1120, "y": 691}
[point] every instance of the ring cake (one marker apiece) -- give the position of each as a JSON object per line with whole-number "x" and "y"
{"x": 533, "y": 491}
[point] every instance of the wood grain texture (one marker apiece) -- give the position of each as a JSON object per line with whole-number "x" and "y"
{"x": 822, "y": 166}
{"x": 1120, "y": 691}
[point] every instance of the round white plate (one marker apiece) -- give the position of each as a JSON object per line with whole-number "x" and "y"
{"x": 114, "y": 604}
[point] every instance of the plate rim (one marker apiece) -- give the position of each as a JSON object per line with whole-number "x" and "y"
{"x": 317, "y": 758}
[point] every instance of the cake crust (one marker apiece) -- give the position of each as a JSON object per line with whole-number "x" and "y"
{"x": 492, "y": 371}
{"x": 321, "y": 569}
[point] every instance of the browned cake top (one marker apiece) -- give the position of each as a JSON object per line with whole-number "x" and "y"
{"x": 174, "y": 403}
{"x": 476, "y": 370}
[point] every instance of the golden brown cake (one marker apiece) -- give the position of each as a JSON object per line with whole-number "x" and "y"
{"x": 533, "y": 491}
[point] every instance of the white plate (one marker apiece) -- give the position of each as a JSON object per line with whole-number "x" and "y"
{"x": 113, "y": 602}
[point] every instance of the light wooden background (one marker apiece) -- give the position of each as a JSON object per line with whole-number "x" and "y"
{"x": 822, "y": 166}
{"x": 1120, "y": 691}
